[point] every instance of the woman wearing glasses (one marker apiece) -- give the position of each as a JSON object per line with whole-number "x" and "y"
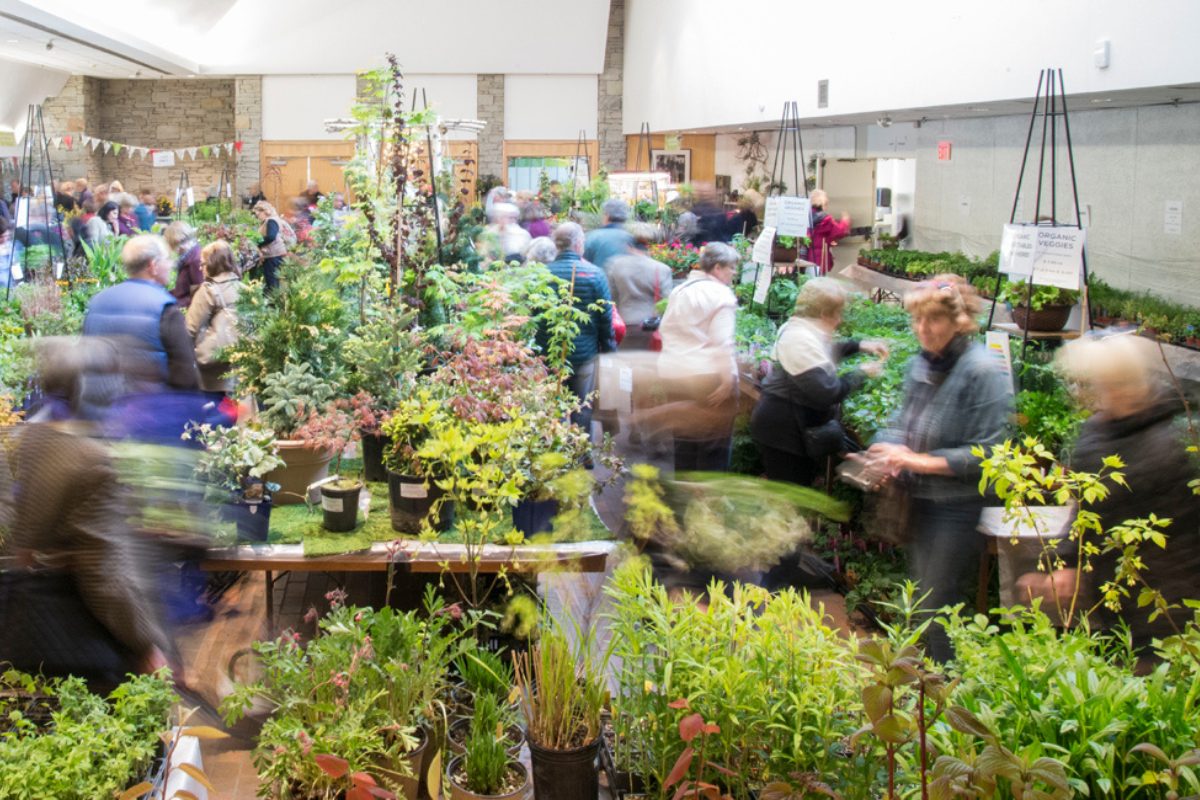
{"x": 955, "y": 397}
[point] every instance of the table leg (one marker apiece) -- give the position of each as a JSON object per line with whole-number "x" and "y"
{"x": 270, "y": 604}
{"x": 985, "y": 578}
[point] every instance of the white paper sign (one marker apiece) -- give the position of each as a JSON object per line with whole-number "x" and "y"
{"x": 1173, "y": 217}
{"x": 332, "y": 504}
{"x": 178, "y": 194}
{"x": 229, "y": 190}
{"x": 763, "y": 245}
{"x": 625, "y": 379}
{"x": 1017, "y": 245}
{"x": 164, "y": 158}
{"x": 191, "y": 197}
{"x": 1057, "y": 258}
{"x": 997, "y": 345}
{"x": 762, "y": 283}
{"x": 788, "y": 215}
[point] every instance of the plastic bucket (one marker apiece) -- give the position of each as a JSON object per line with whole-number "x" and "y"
{"x": 340, "y": 507}
{"x": 410, "y": 501}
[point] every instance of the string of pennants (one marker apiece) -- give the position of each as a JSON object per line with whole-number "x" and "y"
{"x": 116, "y": 148}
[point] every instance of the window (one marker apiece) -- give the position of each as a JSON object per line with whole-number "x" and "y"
{"x": 524, "y": 173}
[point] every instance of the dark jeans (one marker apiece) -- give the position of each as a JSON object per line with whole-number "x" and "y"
{"x": 943, "y": 560}
{"x": 270, "y": 272}
{"x": 582, "y": 384}
{"x": 706, "y": 455}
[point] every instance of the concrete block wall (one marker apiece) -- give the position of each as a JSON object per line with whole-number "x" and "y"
{"x": 163, "y": 114}
{"x": 610, "y": 96}
{"x": 489, "y": 107}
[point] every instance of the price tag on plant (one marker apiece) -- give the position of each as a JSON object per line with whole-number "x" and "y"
{"x": 332, "y": 504}
{"x": 413, "y": 491}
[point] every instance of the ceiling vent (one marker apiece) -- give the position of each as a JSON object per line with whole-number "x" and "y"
{"x": 823, "y": 94}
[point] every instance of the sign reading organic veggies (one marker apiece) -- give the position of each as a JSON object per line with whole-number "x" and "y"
{"x": 1048, "y": 256}
{"x": 788, "y": 215}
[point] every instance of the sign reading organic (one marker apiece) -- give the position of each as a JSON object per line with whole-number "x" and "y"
{"x": 1048, "y": 256}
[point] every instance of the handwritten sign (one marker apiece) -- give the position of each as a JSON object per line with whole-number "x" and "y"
{"x": 788, "y": 215}
{"x": 763, "y": 245}
{"x": 164, "y": 158}
{"x": 762, "y": 283}
{"x": 1049, "y": 256}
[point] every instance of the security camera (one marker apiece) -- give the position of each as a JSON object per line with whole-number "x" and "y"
{"x": 884, "y": 122}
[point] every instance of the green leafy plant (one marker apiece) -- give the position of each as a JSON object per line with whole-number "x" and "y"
{"x": 485, "y": 757}
{"x": 484, "y": 672}
{"x": 1022, "y": 293}
{"x": 233, "y": 454}
{"x": 561, "y": 688}
{"x": 291, "y": 395}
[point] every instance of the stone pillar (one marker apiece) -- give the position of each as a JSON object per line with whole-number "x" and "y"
{"x": 610, "y": 99}
{"x": 489, "y": 107}
{"x": 71, "y": 113}
{"x": 247, "y": 123}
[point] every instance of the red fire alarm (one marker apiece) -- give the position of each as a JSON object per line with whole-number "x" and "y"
{"x": 943, "y": 151}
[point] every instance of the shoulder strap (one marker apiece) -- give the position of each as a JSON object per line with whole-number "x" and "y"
{"x": 214, "y": 291}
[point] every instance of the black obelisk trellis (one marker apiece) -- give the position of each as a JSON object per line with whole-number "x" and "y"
{"x": 35, "y": 162}
{"x": 433, "y": 170}
{"x": 789, "y": 142}
{"x": 181, "y": 190}
{"x": 645, "y": 142}
{"x": 1050, "y": 105}
{"x": 580, "y": 155}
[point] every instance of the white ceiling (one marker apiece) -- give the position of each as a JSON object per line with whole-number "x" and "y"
{"x": 161, "y": 38}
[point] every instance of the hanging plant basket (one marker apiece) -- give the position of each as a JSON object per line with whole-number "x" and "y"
{"x": 1047, "y": 319}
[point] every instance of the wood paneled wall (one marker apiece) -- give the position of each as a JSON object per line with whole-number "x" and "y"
{"x": 702, "y": 145}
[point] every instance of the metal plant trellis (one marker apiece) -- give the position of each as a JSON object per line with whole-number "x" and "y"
{"x": 35, "y": 161}
{"x": 1050, "y": 105}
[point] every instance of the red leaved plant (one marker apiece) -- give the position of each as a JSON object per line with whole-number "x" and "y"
{"x": 362, "y": 785}
{"x": 691, "y": 727}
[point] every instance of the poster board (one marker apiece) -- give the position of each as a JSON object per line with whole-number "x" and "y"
{"x": 790, "y": 216}
{"x": 634, "y": 186}
{"x": 1050, "y": 256}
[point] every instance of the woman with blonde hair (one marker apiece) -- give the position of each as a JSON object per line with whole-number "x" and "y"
{"x": 212, "y": 316}
{"x": 274, "y": 243}
{"x": 189, "y": 272}
{"x": 955, "y": 398}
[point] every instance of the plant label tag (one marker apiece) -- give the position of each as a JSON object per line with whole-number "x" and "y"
{"x": 625, "y": 379}
{"x": 763, "y": 245}
{"x": 333, "y": 504}
{"x": 414, "y": 491}
{"x": 762, "y": 284}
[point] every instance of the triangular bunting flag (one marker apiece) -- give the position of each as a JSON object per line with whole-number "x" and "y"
{"x": 229, "y": 148}
{"x": 108, "y": 147}
{"x": 179, "y": 153}
{"x": 68, "y": 140}
{"x": 57, "y": 142}
{"x": 204, "y": 151}
{"x": 94, "y": 143}
{"x": 191, "y": 151}
{"x": 117, "y": 148}
{"x": 238, "y": 145}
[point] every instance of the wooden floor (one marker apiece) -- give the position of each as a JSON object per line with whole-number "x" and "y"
{"x": 215, "y": 652}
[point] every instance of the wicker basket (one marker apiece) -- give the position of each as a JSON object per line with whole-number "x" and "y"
{"x": 1044, "y": 320}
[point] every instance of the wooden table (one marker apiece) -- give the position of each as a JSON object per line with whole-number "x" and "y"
{"x": 276, "y": 560}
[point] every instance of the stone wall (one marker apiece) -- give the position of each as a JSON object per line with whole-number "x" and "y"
{"x": 489, "y": 105}
{"x": 610, "y": 113}
{"x": 247, "y": 123}
{"x": 163, "y": 114}
{"x": 68, "y": 114}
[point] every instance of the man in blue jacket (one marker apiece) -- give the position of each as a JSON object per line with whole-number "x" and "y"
{"x": 143, "y": 313}
{"x": 596, "y": 334}
{"x": 603, "y": 244}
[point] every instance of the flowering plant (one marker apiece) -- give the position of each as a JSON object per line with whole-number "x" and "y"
{"x": 681, "y": 258}
{"x": 233, "y": 455}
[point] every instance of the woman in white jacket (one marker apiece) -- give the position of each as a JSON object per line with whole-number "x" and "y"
{"x": 212, "y": 316}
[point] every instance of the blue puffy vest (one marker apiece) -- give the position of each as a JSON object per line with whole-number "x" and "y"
{"x": 134, "y": 309}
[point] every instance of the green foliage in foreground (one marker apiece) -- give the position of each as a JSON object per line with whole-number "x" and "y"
{"x": 95, "y": 748}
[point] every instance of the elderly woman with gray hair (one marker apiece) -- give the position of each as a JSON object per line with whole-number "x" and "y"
{"x": 189, "y": 276}
{"x": 795, "y": 422}
{"x": 697, "y": 363}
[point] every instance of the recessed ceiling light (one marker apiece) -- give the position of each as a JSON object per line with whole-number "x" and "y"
{"x": 1102, "y": 100}
{"x": 13, "y": 41}
{"x": 977, "y": 108}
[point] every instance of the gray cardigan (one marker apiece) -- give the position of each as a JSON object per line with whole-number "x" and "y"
{"x": 972, "y": 407}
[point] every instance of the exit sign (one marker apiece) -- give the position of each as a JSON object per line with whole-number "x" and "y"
{"x": 943, "y": 151}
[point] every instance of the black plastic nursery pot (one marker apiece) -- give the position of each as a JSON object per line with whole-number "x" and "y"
{"x": 252, "y": 517}
{"x": 410, "y": 501}
{"x": 534, "y": 516}
{"x": 456, "y": 792}
{"x": 340, "y": 507}
{"x": 372, "y": 456}
{"x": 565, "y": 774}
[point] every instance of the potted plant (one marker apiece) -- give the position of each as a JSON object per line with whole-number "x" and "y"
{"x": 286, "y": 400}
{"x": 1039, "y": 308}
{"x": 785, "y": 249}
{"x": 486, "y": 768}
{"x": 234, "y": 465}
{"x": 332, "y": 430}
{"x": 412, "y": 494}
{"x": 562, "y": 693}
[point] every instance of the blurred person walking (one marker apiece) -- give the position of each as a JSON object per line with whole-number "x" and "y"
{"x": 697, "y": 363}
{"x": 955, "y": 398}
{"x": 277, "y": 236}
{"x": 826, "y": 231}
{"x": 189, "y": 272}
{"x": 612, "y": 240}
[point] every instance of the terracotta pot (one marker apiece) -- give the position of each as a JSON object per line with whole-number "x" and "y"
{"x": 1046, "y": 319}
{"x": 457, "y": 792}
{"x": 303, "y": 465}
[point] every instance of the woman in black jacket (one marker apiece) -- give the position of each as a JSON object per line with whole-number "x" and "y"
{"x": 803, "y": 392}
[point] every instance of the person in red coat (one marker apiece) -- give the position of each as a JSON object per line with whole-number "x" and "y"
{"x": 825, "y": 232}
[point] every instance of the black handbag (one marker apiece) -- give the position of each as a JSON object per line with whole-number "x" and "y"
{"x": 824, "y": 440}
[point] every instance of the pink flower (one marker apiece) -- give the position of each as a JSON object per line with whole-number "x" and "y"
{"x": 336, "y": 597}
{"x": 312, "y": 615}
